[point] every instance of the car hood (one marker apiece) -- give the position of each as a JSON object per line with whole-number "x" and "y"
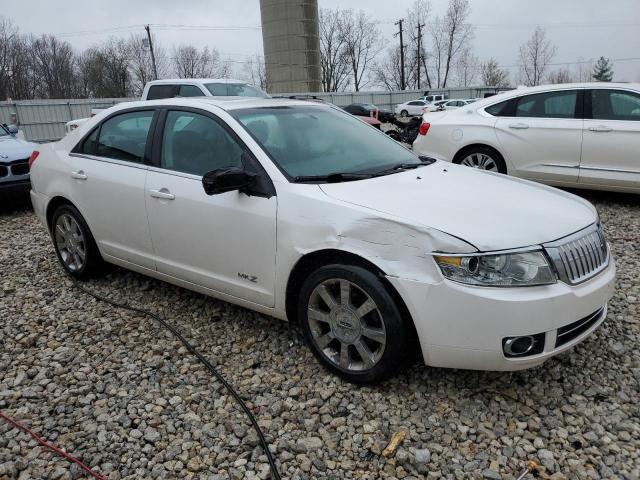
{"x": 488, "y": 210}
{"x": 14, "y": 149}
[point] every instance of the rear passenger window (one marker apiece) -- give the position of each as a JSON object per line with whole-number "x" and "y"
{"x": 124, "y": 137}
{"x": 90, "y": 144}
{"x": 158, "y": 92}
{"x": 190, "y": 91}
{"x": 615, "y": 105}
{"x": 499, "y": 109}
{"x": 548, "y": 105}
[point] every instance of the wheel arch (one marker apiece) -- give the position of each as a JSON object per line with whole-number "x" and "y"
{"x": 313, "y": 260}
{"x": 52, "y": 206}
{"x": 462, "y": 150}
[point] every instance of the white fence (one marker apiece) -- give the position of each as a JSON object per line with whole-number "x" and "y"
{"x": 44, "y": 120}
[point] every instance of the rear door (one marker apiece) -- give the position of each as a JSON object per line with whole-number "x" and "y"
{"x": 542, "y": 135}
{"x": 107, "y": 173}
{"x": 611, "y": 143}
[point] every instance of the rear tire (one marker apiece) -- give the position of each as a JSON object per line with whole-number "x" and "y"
{"x": 353, "y": 325}
{"x": 481, "y": 157}
{"x": 404, "y": 114}
{"x": 74, "y": 244}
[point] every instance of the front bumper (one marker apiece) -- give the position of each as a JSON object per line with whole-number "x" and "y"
{"x": 17, "y": 187}
{"x": 461, "y": 326}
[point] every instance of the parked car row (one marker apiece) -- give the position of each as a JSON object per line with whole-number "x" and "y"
{"x": 573, "y": 135}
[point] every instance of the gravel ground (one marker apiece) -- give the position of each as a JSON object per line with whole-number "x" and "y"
{"x": 115, "y": 390}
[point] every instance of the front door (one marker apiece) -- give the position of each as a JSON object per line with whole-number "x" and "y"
{"x": 611, "y": 144}
{"x": 543, "y": 138}
{"x": 225, "y": 242}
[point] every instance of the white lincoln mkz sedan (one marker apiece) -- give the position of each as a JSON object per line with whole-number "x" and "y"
{"x": 303, "y": 212}
{"x": 583, "y": 135}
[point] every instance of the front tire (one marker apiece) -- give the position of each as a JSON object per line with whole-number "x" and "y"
{"x": 482, "y": 158}
{"x": 404, "y": 114}
{"x": 74, "y": 244}
{"x": 352, "y": 324}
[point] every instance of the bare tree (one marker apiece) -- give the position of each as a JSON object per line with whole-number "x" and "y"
{"x": 583, "y": 70}
{"x": 467, "y": 68}
{"x": 387, "y": 72}
{"x": 53, "y": 67}
{"x": 535, "y": 56}
{"x": 362, "y": 44}
{"x": 333, "y": 59}
{"x": 189, "y": 62}
{"x": 562, "y": 75}
{"x": 255, "y": 72}
{"x": 450, "y": 36}
{"x": 492, "y": 75}
{"x": 418, "y": 15}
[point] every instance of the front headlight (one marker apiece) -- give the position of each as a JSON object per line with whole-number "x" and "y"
{"x": 504, "y": 270}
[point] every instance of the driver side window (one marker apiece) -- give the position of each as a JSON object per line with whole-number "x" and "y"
{"x": 196, "y": 144}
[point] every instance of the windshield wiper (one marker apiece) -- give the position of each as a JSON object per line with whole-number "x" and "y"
{"x": 399, "y": 167}
{"x": 335, "y": 177}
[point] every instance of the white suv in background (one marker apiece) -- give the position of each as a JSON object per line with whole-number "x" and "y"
{"x": 576, "y": 135}
{"x": 200, "y": 87}
{"x": 184, "y": 88}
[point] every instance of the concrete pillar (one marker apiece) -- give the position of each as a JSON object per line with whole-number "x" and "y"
{"x": 291, "y": 45}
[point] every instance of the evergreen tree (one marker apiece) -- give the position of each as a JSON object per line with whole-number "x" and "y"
{"x": 602, "y": 72}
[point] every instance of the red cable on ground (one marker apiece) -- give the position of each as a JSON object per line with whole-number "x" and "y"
{"x": 51, "y": 447}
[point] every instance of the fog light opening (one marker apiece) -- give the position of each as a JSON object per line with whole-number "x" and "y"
{"x": 518, "y": 346}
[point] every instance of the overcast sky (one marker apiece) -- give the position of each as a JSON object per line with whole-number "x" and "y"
{"x": 581, "y": 29}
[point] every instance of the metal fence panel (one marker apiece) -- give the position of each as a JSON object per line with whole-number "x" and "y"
{"x": 44, "y": 120}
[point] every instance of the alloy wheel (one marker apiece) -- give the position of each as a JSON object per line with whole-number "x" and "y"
{"x": 346, "y": 325}
{"x": 70, "y": 242}
{"x": 481, "y": 161}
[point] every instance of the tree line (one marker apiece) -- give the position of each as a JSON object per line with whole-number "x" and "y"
{"x": 436, "y": 52}
{"x": 47, "y": 67}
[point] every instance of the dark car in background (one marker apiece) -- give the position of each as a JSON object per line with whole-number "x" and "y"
{"x": 369, "y": 109}
{"x": 14, "y": 161}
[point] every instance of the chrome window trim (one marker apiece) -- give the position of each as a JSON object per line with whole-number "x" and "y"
{"x": 97, "y": 158}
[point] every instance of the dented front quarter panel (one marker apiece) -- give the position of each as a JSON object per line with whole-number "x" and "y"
{"x": 311, "y": 221}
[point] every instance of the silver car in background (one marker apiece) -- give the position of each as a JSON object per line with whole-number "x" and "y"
{"x": 14, "y": 161}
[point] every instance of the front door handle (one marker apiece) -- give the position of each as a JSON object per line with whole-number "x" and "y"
{"x": 162, "y": 193}
{"x": 79, "y": 175}
{"x": 519, "y": 126}
{"x": 600, "y": 128}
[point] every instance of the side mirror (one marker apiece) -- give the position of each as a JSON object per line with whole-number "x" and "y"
{"x": 226, "y": 180}
{"x": 13, "y": 129}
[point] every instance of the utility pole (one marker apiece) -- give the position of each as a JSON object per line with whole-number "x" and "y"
{"x": 153, "y": 57}
{"x": 419, "y": 55}
{"x": 399, "y": 23}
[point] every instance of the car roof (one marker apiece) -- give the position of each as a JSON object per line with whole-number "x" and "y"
{"x": 522, "y": 90}
{"x": 225, "y": 103}
{"x": 172, "y": 81}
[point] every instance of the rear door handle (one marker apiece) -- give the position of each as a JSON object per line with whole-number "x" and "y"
{"x": 519, "y": 126}
{"x": 600, "y": 128}
{"x": 162, "y": 193}
{"x": 79, "y": 175}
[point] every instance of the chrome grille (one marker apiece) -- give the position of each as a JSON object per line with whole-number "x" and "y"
{"x": 580, "y": 256}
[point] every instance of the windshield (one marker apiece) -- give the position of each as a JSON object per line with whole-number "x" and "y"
{"x": 235, "y": 90}
{"x": 3, "y": 131}
{"x": 317, "y": 140}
